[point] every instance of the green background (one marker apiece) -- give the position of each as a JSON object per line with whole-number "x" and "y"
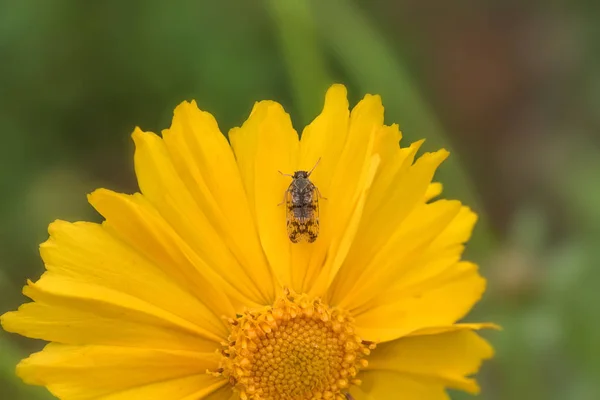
{"x": 511, "y": 87}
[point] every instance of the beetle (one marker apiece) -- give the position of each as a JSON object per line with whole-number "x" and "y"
{"x": 302, "y": 207}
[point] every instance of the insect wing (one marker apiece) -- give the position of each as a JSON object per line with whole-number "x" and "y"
{"x": 311, "y": 230}
{"x": 293, "y": 226}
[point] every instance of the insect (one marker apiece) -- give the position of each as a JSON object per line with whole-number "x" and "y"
{"x": 302, "y": 207}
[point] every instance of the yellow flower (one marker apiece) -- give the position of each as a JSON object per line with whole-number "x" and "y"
{"x": 193, "y": 290}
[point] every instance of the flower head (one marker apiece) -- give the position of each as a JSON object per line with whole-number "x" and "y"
{"x": 192, "y": 288}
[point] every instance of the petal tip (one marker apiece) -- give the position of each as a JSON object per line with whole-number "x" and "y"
{"x": 55, "y": 225}
{"x": 140, "y": 136}
{"x": 5, "y": 321}
{"x": 415, "y": 146}
{"x": 443, "y": 153}
{"x": 186, "y": 106}
{"x": 336, "y": 90}
{"x": 96, "y": 194}
{"x": 263, "y": 108}
{"x": 493, "y": 326}
{"x": 27, "y": 375}
{"x": 472, "y": 387}
{"x": 137, "y": 131}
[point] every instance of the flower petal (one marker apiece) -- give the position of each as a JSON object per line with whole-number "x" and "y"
{"x": 388, "y": 385}
{"x": 443, "y": 252}
{"x": 88, "y": 320}
{"x": 350, "y": 181}
{"x": 323, "y": 139}
{"x": 416, "y": 294}
{"x": 162, "y": 186}
{"x": 206, "y": 164}
{"x": 434, "y": 190}
{"x": 265, "y": 144}
{"x": 393, "y": 160}
{"x": 445, "y": 358}
{"x": 387, "y": 235}
{"x": 136, "y": 222}
{"x": 225, "y": 393}
{"x": 440, "y": 301}
{"x": 458, "y": 231}
{"x": 468, "y": 326}
{"x": 195, "y": 387}
{"x": 117, "y": 373}
{"x": 398, "y": 182}
{"x": 387, "y": 266}
{"x": 83, "y": 260}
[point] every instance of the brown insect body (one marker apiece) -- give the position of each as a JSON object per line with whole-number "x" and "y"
{"x": 302, "y": 208}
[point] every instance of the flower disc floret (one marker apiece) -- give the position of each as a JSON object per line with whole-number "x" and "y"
{"x": 296, "y": 349}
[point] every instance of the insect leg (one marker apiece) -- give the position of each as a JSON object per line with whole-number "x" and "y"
{"x": 283, "y": 201}
{"x": 319, "y": 194}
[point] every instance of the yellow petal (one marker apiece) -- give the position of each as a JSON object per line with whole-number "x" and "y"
{"x": 225, "y": 393}
{"x": 439, "y": 301}
{"x": 351, "y": 179}
{"x": 72, "y": 312}
{"x": 445, "y": 359}
{"x": 443, "y": 252}
{"x": 205, "y": 163}
{"x": 387, "y": 145}
{"x": 388, "y": 385}
{"x": 385, "y": 233}
{"x": 344, "y": 243}
{"x": 388, "y": 264}
{"x": 458, "y": 231}
{"x": 161, "y": 184}
{"x": 324, "y": 140}
{"x": 434, "y": 190}
{"x": 59, "y": 291}
{"x": 397, "y": 178}
{"x": 84, "y": 255}
{"x": 57, "y": 319}
{"x": 471, "y": 326}
{"x": 325, "y": 137}
{"x": 393, "y": 160}
{"x": 265, "y": 144}
{"x": 396, "y": 290}
{"x": 406, "y": 246}
{"x": 136, "y": 222}
{"x": 111, "y": 373}
{"x": 193, "y": 387}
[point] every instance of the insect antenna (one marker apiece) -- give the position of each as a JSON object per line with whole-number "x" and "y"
{"x": 313, "y": 168}
{"x": 290, "y": 175}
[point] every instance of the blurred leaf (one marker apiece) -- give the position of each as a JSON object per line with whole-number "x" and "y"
{"x": 302, "y": 54}
{"x": 578, "y": 185}
{"x": 528, "y": 229}
{"x": 566, "y": 267}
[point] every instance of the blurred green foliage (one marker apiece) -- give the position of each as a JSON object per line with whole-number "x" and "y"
{"x": 512, "y": 89}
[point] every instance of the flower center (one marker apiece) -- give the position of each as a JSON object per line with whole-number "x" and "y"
{"x": 296, "y": 349}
